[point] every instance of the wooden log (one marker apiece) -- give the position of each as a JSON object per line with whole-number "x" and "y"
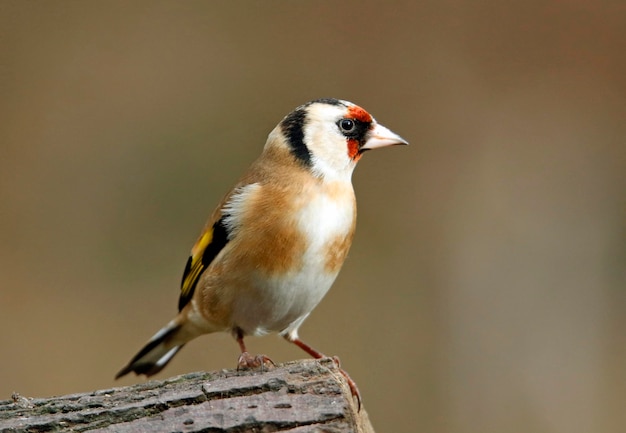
{"x": 296, "y": 397}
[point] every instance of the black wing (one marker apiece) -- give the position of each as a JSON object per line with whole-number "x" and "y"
{"x": 203, "y": 252}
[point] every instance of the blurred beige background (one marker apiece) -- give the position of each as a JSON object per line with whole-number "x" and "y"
{"x": 485, "y": 290}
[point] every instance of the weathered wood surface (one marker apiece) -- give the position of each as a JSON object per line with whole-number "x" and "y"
{"x": 296, "y": 397}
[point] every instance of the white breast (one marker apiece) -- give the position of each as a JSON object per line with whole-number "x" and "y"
{"x": 290, "y": 297}
{"x": 323, "y": 219}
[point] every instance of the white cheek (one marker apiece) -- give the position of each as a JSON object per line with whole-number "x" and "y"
{"x": 328, "y": 147}
{"x": 329, "y": 156}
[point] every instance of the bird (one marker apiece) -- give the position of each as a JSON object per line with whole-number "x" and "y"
{"x": 275, "y": 243}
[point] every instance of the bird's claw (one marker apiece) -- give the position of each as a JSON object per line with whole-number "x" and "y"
{"x": 247, "y": 361}
{"x": 354, "y": 390}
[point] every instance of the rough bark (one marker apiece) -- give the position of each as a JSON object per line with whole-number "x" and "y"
{"x": 297, "y": 397}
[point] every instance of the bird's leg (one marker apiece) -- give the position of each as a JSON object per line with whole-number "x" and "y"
{"x": 318, "y": 355}
{"x": 246, "y": 360}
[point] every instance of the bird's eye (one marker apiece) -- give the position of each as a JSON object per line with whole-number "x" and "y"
{"x": 346, "y": 125}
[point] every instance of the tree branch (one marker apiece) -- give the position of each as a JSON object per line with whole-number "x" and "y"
{"x": 296, "y": 397}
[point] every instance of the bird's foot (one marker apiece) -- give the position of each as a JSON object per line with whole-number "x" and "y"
{"x": 247, "y": 361}
{"x": 351, "y": 383}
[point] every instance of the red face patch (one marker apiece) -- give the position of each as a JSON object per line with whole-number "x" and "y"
{"x": 353, "y": 149}
{"x": 358, "y": 113}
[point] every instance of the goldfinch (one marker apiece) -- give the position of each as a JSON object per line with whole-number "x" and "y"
{"x": 275, "y": 244}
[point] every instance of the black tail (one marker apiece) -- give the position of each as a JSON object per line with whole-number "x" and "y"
{"x": 157, "y": 353}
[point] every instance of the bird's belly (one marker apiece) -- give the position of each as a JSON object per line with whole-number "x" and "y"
{"x": 283, "y": 301}
{"x": 279, "y": 301}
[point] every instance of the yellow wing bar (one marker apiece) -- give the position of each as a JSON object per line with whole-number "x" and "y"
{"x": 203, "y": 252}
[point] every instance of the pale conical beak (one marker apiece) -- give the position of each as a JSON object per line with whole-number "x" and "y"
{"x": 382, "y": 137}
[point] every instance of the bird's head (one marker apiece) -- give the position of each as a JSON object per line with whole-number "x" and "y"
{"x": 329, "y": 136}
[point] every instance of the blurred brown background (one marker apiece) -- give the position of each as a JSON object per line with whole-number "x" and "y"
{"x": 485, "y": 290}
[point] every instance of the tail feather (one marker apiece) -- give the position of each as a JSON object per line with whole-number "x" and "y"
{"x": 157, "y": 353}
